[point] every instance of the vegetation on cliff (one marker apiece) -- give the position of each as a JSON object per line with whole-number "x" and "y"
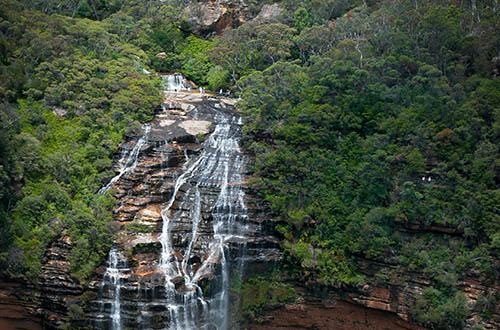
{"x": 53, "y": 165}
{"x": 375, "y": 131}
{"x": 74, "y": 80}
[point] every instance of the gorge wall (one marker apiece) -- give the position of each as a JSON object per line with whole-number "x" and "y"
{"x": 189, "y": 224}
{"x": 186, "y": 167}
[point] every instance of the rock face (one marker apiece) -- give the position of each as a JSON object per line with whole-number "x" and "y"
{"x": 398, "y": 294}
{"x": 379, "y": 304}
{"x": 45, "y": 303}
{"x": 269, "y": 13}
{"x": 132, "y": 290}
{"x": 17, "y": 306}
{"x": 215, "y": 16}
{"x": 327, "y": 314}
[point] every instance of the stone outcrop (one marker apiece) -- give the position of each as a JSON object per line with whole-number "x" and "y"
{"x": 18, "y": 306}
{"x": 175, "y": 137}
{"x": 58, "y": 289}
{"x": 45, "y": 303}
{"x": 327, "y": 314}
{"x": 397, "y": 295}
{"x": 215, "y": 16}
{"x": 373, "y": 306}
{"x": 392, "y": 299}
{"x": 269, "y": 13}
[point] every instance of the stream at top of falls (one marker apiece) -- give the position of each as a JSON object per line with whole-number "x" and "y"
{"x": 207, "y": 198}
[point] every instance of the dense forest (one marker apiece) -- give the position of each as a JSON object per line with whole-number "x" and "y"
{"x": 375, "y": 127}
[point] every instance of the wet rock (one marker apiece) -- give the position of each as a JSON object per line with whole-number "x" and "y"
{"x": 195, "y": 127}
{"x": 142, "y": 193}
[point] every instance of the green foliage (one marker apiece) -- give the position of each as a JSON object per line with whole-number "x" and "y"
{"x": 135, "y": 227}
{"x": 52, "y": 165}
{"x": 486, "y": 304}
{"x": 349, "y": 105}
{"x": 168, "y": 37}
{"x": 347, "y": 123}
{"x": 303, "y": 19}
{"x": 330, "y": 267}
{"x": 217, "y": 78}
{"x": 90, "y": 243}
{"x": 75, "y": 312}
{"x": 434, "y": 308}
{"x": 259, "y": 293}
{"x": 253, "y": 46}
{"x": 195, "y": 63}
{"x": 320, "y": 11}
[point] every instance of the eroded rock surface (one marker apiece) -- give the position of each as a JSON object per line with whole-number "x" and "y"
{"x": 330, "y": 314}
{"x": 215, "y": 16}
{"x": 175, "y": 138}
{"x": 26, "y": 305}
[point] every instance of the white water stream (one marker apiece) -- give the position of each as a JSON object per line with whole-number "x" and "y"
{"x": 116, "y": 269}
{"x": 174, "y": 82}
{"x": 128, "y": 161}
{"x": 208, "y": 199}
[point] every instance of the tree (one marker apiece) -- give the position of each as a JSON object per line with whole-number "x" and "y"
{"x": 314, "y": 41}
{"x": 302, "y": 19}
{"x": 274, "y": 41}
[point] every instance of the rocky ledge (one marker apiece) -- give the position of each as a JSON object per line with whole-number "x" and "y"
{"x": 327, "y": 314}
{"x": 215, "y": 16}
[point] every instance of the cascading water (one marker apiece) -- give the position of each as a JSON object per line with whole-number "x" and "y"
{"x": 219, "y": 166}
{"x": 128, "y": 161}
{"x": 111, "y": 286}
{"x": 174, "y": 82}
{"x": 117, "y": 263}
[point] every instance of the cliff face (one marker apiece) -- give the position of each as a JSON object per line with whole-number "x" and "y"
{"x": 215, "y": 16}
{"x": 331, "y": 314}
{"x": 193, "y": 130}
{"x": 45, "y": 303}
{"x": 398, "y": 293}
{"x": 164, "y": 150}
{"x": 379, "y": 304}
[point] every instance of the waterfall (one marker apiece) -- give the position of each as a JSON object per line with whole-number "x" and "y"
{"x": 188, "y": 202}
{"x": 174, "y": 82}
{"x": 128, "y": 161}
{"x": 219, "y": 167}
{"x": 112, "y": 284}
